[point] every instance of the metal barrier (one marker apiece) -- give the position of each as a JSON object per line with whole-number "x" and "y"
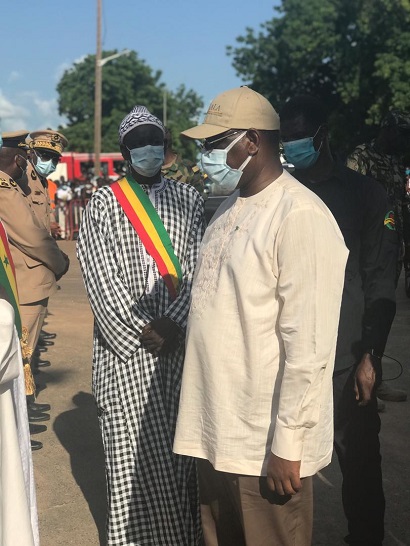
{"x": 69, "y": 215}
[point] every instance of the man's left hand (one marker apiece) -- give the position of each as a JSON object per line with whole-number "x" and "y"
{"x": 283, "y": 475}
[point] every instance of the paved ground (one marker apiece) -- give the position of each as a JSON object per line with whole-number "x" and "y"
{"x": 70, "y": 470}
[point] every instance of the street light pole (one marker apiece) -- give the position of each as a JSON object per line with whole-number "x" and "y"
{"x": 97, "y": 95}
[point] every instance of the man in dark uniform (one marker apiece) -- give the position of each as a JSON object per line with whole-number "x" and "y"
{"x": 361, "y": 209}
{"x": 383, "y": 160}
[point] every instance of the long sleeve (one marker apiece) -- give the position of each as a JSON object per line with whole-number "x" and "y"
{"x": 311, "y": 262}
{"x": 116, "y": 312}
{"x": 179, "y": 309}
{"x": 26, "y": 233}
{"x": 378, "y": 262}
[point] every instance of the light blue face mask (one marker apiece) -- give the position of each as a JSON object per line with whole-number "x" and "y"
{"x": 301, "y": 153}
{"x": 1, "y": 142}
{"x": 148, "y": 160}
{"x": 219, "y": 172}
{"x": 44, "y": 168}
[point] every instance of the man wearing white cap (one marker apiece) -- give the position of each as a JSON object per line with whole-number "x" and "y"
{"x": 256, "y": 396}
{"x": 137, "y": 247}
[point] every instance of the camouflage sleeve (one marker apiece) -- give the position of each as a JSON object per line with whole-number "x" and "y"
{"x": 357, "y": 161}
{"x": 194, "y": 176}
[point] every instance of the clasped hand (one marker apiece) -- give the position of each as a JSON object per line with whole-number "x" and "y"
{"x": 160, "y": 336}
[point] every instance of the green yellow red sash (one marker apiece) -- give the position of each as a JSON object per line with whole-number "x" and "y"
{"x": 150, "y": 229}
{"x": 8, "y": 277}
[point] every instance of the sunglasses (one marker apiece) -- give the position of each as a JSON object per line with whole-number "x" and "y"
{"x": 46, "y": 156}
{"x": 209, "y": 145}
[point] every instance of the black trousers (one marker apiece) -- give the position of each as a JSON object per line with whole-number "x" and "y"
{"x": 358, "y": 449}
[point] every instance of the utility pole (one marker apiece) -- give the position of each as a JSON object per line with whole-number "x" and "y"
{"x": 164, "y": 107}
{"x": 97, "y": 95}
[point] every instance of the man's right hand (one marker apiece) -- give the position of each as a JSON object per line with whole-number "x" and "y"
{"x": 364, "y": 380}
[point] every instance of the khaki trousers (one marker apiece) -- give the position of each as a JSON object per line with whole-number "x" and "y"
{"x": 32, "y": 317}
{"x": 241, "y": 510}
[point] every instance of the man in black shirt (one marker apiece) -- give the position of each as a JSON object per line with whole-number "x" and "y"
{"x": 361, "y": 209}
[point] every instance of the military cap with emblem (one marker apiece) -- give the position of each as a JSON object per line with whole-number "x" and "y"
{"x": 15, "y": 139}
{"x": 50, "y": 141}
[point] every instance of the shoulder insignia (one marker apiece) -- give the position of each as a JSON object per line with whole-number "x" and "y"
{"x": 195, "y": 169}
{"x": 7, "y": 183}
{"x": 389, "y": 221}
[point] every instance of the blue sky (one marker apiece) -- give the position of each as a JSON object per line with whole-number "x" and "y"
{"x": 185, "y": 39}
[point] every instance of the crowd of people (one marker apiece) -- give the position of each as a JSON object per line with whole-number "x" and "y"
{"x": 229, "y": 359}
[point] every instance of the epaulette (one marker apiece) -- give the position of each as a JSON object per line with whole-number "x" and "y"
{"x": 4, "y": 183}
{"x": 195, "y": 169}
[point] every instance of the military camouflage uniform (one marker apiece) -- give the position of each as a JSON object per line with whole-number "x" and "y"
{"x": 185, "y": 171}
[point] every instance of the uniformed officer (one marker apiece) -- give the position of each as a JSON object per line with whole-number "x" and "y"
{"x": 360, "y": 207}
{"x": 44, "y": 152}
{"x": 383, "y": 160}
{"x": 177, "y": 168}
{"x": 37, "y": 258}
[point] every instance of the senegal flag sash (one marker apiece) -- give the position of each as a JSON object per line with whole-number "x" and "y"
{"x": 8, "y": 277}
{"x": 150, "y": 229}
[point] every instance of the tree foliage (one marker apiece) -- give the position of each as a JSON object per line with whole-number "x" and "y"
{"x": 126, "y": 81}
{"x": 354, "y": 55}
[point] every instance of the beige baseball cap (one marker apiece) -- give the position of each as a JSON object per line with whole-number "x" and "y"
{"x": 239, "y": 108}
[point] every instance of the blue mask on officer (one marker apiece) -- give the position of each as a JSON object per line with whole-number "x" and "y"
{"x": 44, "y": 168}
{"x": 301, "y": 153}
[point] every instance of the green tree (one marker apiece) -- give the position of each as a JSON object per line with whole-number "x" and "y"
{"x": 354, "y": 55}
{"x": 126, "y": 81}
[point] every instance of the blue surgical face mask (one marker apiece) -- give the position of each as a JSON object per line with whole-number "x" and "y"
{"x": 301, "y": 153}
{"x": 219, "y": 172}
{"x": 44, "y": 168}
{"x": 148, "y": 160}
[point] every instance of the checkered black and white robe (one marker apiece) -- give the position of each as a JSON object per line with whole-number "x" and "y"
{"x": 152, "y": 493}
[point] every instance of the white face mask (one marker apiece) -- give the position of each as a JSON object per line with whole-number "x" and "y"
{"x": 219, "y": 172}
{"x": 148, "y": 160}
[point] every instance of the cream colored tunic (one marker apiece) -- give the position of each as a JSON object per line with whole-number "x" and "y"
{"x": 18, "y": 511}
{"x": 262, "y": 333}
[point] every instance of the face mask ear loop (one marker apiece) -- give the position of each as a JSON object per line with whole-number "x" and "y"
{"x": 241, "y": 168}
{"x": 237, "y": 139}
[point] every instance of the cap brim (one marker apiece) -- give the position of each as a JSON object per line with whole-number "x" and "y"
{"x": 205, "y": 130}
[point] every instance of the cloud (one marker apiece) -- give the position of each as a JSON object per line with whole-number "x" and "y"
{"x": 61, "y": 68}
{"x": 12, "y": 116}
{"x": 66, "y": 65}
{"x": 28, "y": 110}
